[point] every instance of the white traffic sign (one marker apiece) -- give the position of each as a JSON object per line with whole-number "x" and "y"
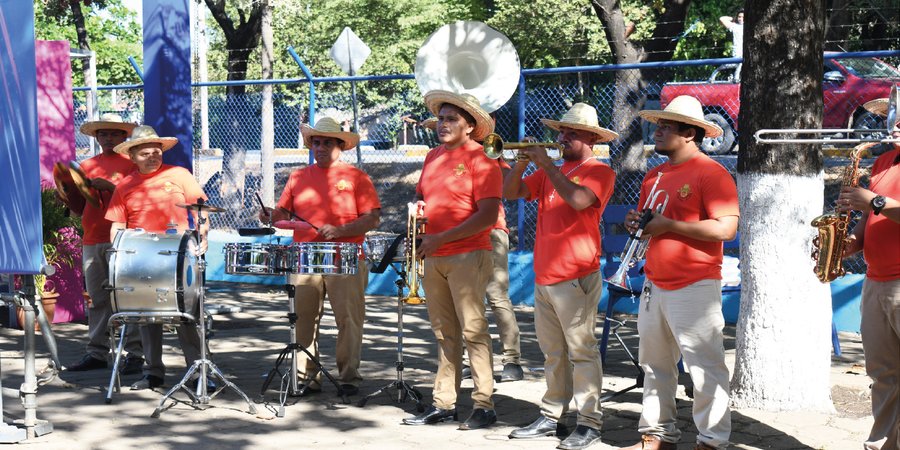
{"x": 349, "y": 51}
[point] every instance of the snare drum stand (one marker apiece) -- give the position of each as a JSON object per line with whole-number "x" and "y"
{"x": 290, "y": 350}
{"x": 404, "y": 390}
{"x": 201, "y": 394}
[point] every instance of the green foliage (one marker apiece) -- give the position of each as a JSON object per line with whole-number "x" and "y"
{"x": 113, "y": 28}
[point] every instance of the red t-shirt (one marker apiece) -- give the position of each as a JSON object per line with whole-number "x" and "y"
{"x": 112, "y": 167}
{"x": 148, "y": 201}
{"x": 699, "y": 189}
{"x": 337, "y": 195}
{"x": 567, "y": 242}
{"x": 881, "y": 244}
{"x": 451, "y": 183}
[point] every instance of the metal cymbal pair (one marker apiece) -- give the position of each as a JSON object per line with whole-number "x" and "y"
{"x": 73, "y": 186}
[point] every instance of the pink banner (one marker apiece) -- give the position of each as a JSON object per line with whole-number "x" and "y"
{"x": 56, "y": 122}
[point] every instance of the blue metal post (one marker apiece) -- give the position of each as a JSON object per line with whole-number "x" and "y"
{"x": 312, "y": 89}
{"x": 521, "y": 202}
{"x": 137, "y": 68}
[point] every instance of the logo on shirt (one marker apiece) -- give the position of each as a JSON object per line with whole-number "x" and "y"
{"x": 459, "y": 170}
{"x": 684, "y": 192}
{"x": 343, "y": 185}
{"x": 168, "y": 187}
{"x": 576, "y": 179}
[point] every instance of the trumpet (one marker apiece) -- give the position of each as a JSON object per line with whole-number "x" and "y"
{"x": 494, "y": 146}
{"x": 413, "y": 267}
{"x": 635, "y": 248}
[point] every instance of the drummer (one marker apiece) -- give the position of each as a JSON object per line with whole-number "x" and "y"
{"x": 340, "y": 201}
{"x": 148, "y": 199}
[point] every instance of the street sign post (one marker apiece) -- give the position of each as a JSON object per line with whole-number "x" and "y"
{"x": 350, "y": 52}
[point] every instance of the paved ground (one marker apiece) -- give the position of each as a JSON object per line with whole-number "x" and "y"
{"x": 245, "y": 346}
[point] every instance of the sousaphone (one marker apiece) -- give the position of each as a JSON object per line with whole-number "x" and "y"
{"x": 468, "y": 57}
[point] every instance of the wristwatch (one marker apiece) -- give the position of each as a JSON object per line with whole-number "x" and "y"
{"x": 877, "y": 204}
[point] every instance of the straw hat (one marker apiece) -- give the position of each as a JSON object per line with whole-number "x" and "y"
{"x": 878, "y": 106}
{"x": 468, "y": 103}
{"x": 430, "y": 123}
{"x": 583, "y": 117}
{"x": 684, "y": 109}
{"x": 144, "y": 134}
{"x": 329, "y": 127}
{"x": 108, "y": 121}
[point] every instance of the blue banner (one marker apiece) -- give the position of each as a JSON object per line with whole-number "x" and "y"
{"x": 21, "y": 239}
{"x": 167, "y": 75}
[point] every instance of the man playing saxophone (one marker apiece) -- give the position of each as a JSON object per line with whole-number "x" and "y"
{"x": 681, "y": 303}
{"x": 571, "y": 199}
{"x": 877, "y": 234}
{"x": 461, "y": 188}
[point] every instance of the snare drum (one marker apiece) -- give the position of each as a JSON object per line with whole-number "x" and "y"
{"x": 325, "y": 258}
{"x": 154, "y": 272}
{"x": 376, "y": 245}
{"x": 258, "y": 259}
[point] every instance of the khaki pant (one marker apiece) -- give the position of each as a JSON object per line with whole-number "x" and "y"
{"x": 565, "y": 315}
{"x": 881, "y": 343}
{"x": 152, "y": 337}
{"x": 455, "y": 287}
{"x": 96, "y": 275}
{"x": 346, "y": 294}
{"x": 498, "y": 298}
{"x": 684, "y": 323}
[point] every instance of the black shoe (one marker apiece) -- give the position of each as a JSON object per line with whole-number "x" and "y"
{"x": 131, "y": 365}
{"x": 432, "y": 415}
{"x": 466, "y": 373}
{"x": 512, "y": 372}
{"x": 583, "y": 437}
{"x": 542, "y": 426}
{"x": 480, "y": 418}
{"x": 211, "y": 385}
{"x": 148, "y": 382}
{"x": 88, "y": 363}
{"x": 349, "y": 389}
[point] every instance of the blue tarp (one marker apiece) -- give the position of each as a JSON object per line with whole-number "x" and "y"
{"x": 20, "y": 192}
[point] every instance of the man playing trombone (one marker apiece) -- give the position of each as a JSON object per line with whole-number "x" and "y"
{"x": 681, "y": 303}
{"x": 571, "y": 199}
{"x": 461, "y": 188}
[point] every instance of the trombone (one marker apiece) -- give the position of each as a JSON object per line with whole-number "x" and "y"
{"x": 889, "y": 122}
{"x": 494, "y": 146}
{"x": 413, "y": 267}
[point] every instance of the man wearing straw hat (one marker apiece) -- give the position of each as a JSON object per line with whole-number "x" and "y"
{"x": 877, "y": 234}
{"x": 148, "y": 199}
{"x": 340, "y": 200}
{"x": 461, "y": 188}
{"x": 104, "y": 171}
{"x": 571, "y": 199}
{"x": 681, "y": 303}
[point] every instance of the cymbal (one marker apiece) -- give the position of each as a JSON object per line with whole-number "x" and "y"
{"x": 65, "y": 188}
{"x": 201, "y": 207}
{"x": 83, "y": 184}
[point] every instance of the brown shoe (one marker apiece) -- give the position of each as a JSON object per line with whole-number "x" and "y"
{"x": 704, "y": 446}
{"x": 652, "y": 442}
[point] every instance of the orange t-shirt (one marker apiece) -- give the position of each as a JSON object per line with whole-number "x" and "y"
{"x": 451, "y": 183}
{"x": 114, "y": 168}
{"x": 699, "y": 189}
{"x": 337, "y": 195}
{"x": 881, "y": 244}
{"x": 501, "y": 214}
{"x": 148, "y": 201}
{"x": 567, "y": 242}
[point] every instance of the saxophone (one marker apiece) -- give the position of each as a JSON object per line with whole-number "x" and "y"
{"x": 832, "y": 238}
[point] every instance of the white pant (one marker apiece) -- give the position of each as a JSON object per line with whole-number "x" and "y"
{"x": 684, "y": 323}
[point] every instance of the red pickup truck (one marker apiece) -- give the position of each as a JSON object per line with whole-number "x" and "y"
{"x": 848, "y": 84}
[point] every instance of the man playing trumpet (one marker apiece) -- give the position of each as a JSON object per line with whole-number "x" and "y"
{"x": 461, "y": 188}
{"x": 681, "y": 303}
{"x": 571, "y": 199}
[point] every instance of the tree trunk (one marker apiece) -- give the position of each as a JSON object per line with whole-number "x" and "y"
{"x": 783, "y": 336}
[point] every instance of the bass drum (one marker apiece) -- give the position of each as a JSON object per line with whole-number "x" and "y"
{"x": 154, "y": 272}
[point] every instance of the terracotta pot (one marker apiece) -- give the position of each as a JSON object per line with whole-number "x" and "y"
{"x": 48, "y": 300}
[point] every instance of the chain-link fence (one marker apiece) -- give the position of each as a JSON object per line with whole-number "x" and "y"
{"x": 393, "y": 143}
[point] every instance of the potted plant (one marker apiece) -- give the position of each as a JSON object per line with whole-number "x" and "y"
{"x": 62, "y": 247}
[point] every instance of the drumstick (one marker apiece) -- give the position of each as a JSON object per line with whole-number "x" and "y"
{"x": 299, "y": 218}
{"x": 261, "y": 205}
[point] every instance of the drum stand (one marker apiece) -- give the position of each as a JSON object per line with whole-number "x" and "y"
{"x": 289, "y": 353}
{"x": 404, "y": 390}
{"x": 203, "y": 366}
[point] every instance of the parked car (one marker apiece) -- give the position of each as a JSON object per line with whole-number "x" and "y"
{"x": 848, "y": 84}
